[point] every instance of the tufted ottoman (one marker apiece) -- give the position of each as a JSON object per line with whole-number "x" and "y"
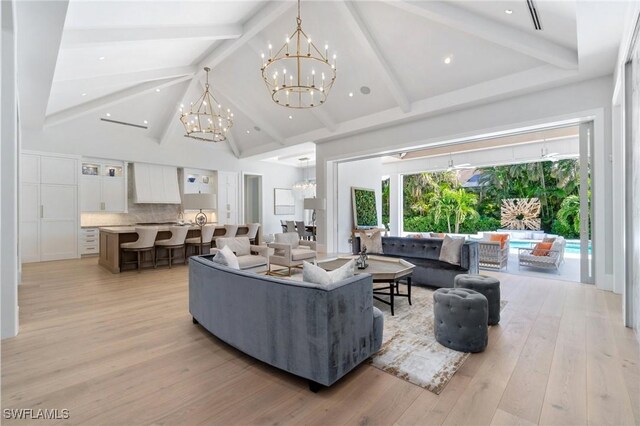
{"x": 460, "y": 319}
{"x": 488, "y": 286}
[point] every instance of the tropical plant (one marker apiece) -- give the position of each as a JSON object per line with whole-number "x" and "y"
{"x": 569, "y": 213}
{"x": 454, "y": 206}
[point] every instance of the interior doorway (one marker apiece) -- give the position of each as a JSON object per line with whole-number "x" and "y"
{"x": 252, "y": 186}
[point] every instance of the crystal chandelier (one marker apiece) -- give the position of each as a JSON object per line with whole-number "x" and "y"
{"x": 305, "y": 188}
{"x": 206, "y": 120}
{"x": 299, "y": 76}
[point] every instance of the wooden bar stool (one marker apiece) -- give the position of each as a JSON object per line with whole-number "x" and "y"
{"x": 207, "y": 235}
{"x": 144, "y": 243}
{"x": 178, "y": 237}
{"x": 252, "y": 233}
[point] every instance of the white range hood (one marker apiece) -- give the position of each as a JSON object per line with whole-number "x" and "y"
{"x": 156, "y": 184}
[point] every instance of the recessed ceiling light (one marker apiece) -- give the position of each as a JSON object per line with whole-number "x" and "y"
{"x": 146, "y": 122}
{"x": 365, "y": 90}
{"x": 508, "y": 11}
{"x": 447, "y": 60}
{"x": 84, "y": 94}
{"x": 248, "y": 131}
{"x": 101, "y": 58}
{"x": 351, "y": 94}
{"x": 291, "y": 117}
{"x": 157, "y": 90}
{"x": 108, "y": 114}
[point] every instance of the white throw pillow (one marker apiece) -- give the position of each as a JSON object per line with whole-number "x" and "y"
{"x": 225, "y": 257}
{"x": 450, "y": 251}
{"x": 372, "y": 242}
{"x": 315, "y": 274}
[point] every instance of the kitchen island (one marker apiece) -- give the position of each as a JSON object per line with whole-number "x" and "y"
{"x": 112, "y": 236}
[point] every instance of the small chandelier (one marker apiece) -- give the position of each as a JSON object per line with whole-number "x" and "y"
{"x": 299, "y": 76}
{"x": 305, "y": 188}
{"x": 206, "y": 120}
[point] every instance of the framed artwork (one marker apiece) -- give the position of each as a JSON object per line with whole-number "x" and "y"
{"x": 365, "y": 212}
{"x": 283, "y": 201}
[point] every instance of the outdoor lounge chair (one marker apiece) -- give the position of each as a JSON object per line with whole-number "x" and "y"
{"x": 493, "y": 254}
{"x": 543, "y": 258}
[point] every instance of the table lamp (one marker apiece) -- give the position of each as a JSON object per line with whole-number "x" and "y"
{"x": 200, "y": 202}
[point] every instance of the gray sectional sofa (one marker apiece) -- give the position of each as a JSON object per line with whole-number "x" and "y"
{"x": 425, "y": 253}
{"x": 316, "y": 332}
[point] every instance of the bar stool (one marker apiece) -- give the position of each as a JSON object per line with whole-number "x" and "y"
{"x": 178, "y": 236}
{"x": 230, "y": 231}
{"x": 207, "y": 235}
{"x": 252, "y": 233}
{"x": 144, "y": 243}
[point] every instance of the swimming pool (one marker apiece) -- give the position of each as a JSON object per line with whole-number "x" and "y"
{"x": 573, "y": 246}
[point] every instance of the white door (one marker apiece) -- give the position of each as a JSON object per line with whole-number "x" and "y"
{"x": 58, "y": 223}
{"x": 90, "y": 194}
{"x": 29, "y": 222}
{"x": 113, "y": 194}
{"x": 58, "y": 170}
{"x": 30, "y": 168}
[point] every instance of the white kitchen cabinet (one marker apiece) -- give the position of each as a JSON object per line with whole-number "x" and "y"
{"x": 48, "y": 207}
{"x": 156, "y": 184}
{"x": 199, "y": 181}
{"x": 227, "y": 198}
{"x": 89, "y": 241}
{"x": 103, "y": 186}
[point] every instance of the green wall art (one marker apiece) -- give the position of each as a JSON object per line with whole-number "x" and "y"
{"x": 365, "y": 213}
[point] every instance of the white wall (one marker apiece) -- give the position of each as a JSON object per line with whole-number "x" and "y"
{"x": 587, "y": 99}
{"x": 362, "y": 174}
{"x": 9, "y": 253}
{"x": 93, "y": 138}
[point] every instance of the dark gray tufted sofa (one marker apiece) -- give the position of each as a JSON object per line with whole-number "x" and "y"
{"x": 460, "y": 319}
{"x": 424, "y": 253}
{"x": 316, "y": 332}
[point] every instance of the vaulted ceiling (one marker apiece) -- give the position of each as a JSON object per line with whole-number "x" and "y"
{"x": 138, "y": 61}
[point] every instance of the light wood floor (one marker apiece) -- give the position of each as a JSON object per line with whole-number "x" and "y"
{"x": 121, "y": 349}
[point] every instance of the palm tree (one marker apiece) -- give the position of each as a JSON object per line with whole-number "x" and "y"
{"x": 454, "y": 205}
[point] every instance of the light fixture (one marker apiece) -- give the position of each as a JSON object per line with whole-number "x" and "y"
{"x": 248, "y": 131}
{"x": 84, "y": 94}
{"x": 299, "y": 76}
{"x": 145, "y": 122}
{"x": 453, "y": 166}
{"x": 351, "y": 94}
{"x": 291, "y": 117}
{"x": 157, "y": 90}
{"x": 305, "y": 188}
{"x": 508, "y": 11}
{"x": 206, "y": 120}
{"x": 447, "y": 60}
{"x": 101, "y": 58}
{"x": 108, "y": 114}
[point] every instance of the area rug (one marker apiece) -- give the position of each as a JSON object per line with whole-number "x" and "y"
{"x": 409, "y": 347}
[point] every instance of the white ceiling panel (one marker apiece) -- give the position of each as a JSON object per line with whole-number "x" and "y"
{"x": 416, "y": 49}
{"x": 112, "y": 14}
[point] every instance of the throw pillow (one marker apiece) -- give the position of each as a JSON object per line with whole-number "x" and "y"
{"x": 372, "y": 242}
{"x": 502, "y": 238}
{"x": 316, "y": 275}
{"x": 541, "y": 249}
{"x": 450, "y": 251}
{"x": 549, "y": 240}
{"x": 437, "y": 234}
{"x": 225, "y": 257}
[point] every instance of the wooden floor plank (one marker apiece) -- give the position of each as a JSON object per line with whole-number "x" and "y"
{"x": 121, "y": 349}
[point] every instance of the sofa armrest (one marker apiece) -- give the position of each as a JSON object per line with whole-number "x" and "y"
{"x": 311, "y": 244}
{"x": 260, "y": 250}
{"x": 282, "y": 250}
{"x": 469, "y": 258}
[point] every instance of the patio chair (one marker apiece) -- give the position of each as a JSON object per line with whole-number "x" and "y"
{"x": 541, "y": 257}
{"x": 493, "y": 251}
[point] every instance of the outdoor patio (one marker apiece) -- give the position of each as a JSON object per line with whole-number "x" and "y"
{"x": 569, "y": 270}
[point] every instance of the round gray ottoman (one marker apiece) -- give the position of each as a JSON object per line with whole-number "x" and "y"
{"x": 460, "y": 319}
{"x": 488, "y": 286}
